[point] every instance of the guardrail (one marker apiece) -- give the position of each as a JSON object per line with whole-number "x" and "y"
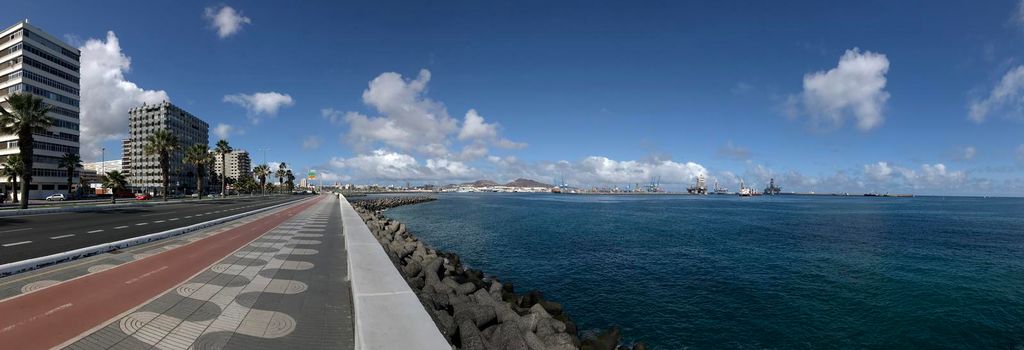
{"x": 70, "y": 208}
{"x": 385, "y": 311}
{"x": 44, "y": 261}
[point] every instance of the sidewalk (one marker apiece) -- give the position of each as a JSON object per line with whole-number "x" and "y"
{"x": 285, "y": 289}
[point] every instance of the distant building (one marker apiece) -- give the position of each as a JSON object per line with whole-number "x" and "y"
{"x": 237, "y": 163}
{"x": 144, "y": 169}
{"x": 32, "y": 61}
{"x": 104, "y": 167}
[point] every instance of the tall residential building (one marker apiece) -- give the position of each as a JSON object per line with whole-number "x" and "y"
{"x": 105, "y": 166}
{"x": 126, "y": 160}
{"x": 35, "y": 62}
{"x": 237, "y": 163}
{"x": 144, "y": 169}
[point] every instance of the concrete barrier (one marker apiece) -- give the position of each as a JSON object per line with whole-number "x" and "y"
{"x": 90, "y": 208}
{"x": 386, "y": 312}
{"x": 35, "y": 263}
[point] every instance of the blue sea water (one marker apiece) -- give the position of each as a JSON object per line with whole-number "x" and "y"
{"x": 778, "y": 272}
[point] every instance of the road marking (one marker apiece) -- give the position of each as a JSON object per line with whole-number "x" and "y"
{"x": 120, "y": 227}
{"x": 94, "y": 231}
{"x": 158, "y": 221}
{"x": 188, "y": 216}
{"x": 172, "y": 219}
{"x": 62, "y": 236}
{"x": 17, "y": 243}
{"x": 15, "y": 230}
{"x": 142, "y": 223}
{"x": 208, "y": 213}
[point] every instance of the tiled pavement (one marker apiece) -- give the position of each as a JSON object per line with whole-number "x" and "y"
{"x": 285, "y": 290}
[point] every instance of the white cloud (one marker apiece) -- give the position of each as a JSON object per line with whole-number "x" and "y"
{"x": 311, "y": 143}
{"x": 606, "y": 171}
{"x": 473, "y": 151}
{"x": 107, "y": 95}
{"x": 226, "y": 20}
{"x": 333, "y": 116}
{"x": 856, "y": 87}
{"x": 474, "y": 127}
{"x": 394, "y": 166}
{"x": 223, "y": 131}
{"x": 261, "y": 103}
{"x": 411, "y": 122}
{"x": 934, "y": 176}
{"x": 1005, "y": 95}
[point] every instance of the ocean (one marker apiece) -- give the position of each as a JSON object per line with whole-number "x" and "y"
{"x": 769, "y": 272}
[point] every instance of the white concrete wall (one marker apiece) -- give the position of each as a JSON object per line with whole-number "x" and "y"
{"x": 386, "y": 312}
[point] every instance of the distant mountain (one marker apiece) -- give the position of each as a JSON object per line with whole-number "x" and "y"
{"x": 481, "y": 183}
{"x": 527, "y": 183}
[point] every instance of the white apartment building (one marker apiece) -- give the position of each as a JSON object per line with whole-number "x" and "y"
{"x": 144, "y": 170}
{"x": 237, "y": 163}
{"x": 35, "y": 62}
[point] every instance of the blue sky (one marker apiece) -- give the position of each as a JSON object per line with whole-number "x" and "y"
{"x": 861, "y": 96}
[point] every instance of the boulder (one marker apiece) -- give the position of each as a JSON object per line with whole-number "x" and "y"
{"x": 470, "y": 337}
{"x": 608, "y": 340}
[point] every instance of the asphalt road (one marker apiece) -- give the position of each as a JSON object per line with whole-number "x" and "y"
{"x": 26, "y": 237}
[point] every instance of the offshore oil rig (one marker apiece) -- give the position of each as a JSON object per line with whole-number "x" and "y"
{"x": 700, "y": 187}
{"x": 772, "y": 190}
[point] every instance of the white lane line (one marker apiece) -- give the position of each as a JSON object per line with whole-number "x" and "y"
{"x": 188, "y": 216}
{"x": 158, "y": 221}
{"x": 120, "y": 227}
{"x": 94, "y": 231}
{"x": 16, "y": 243}
{"x": 172, "y": 219}
{"x": 16, "y": 230}
{"x": 142, "y": 223}
{"x": 62, "y": 236}
{"x": 208, "y": 213}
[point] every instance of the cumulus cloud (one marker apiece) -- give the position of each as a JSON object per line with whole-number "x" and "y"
{"x": 409, "y": 121}
{"x": 261, "y": 104}
{"x": 966, "y": 153}
{"x": 106, "y": 94}
{"x": 1006, "y": 96}
{"x": 394, "y": 166}
{"x": 311, "y": 143}
{"x": 595, "y": 170}
{"x": 936, "y": 175}
{"x": 855, "y": 88}
{"x": 226, "y": 20}
{"x": 223, "y": 131}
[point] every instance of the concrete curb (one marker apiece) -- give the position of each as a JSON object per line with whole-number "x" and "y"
{"x": 35, "y": 263}
{"x": 86, "y": 208}
{"x": 385, "y": 311}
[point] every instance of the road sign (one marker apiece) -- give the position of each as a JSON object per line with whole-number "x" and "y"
{"x": 311, "y": 175}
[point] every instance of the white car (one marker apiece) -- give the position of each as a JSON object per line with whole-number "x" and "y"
{"x": 56, "y": 197}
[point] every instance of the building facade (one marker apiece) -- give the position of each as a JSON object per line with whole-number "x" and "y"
{"x": 237, "y": 163}
{"x": 144, "y": 169}
{"x": 32, "y": 61}
{"x": 104, "y": 167}
{"x": 126, "y": 160}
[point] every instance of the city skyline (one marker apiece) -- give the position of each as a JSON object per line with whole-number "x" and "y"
{"x": 918, "y": 99}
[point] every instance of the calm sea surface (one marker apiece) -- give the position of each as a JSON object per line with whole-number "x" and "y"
{"x": 767, "y": 272}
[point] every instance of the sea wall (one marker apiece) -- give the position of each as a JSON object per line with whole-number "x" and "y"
{"x": 473, "y": 310}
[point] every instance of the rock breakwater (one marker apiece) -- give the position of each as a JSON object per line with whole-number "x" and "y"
{"x": 474, "y": 311}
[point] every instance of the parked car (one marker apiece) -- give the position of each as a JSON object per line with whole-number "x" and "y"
{"x": 142, "y": 197}
{"x": 56, "y": 197}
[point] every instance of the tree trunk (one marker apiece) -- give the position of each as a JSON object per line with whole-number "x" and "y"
{"x": 113, "y": 197}
{"x": 165, "y": 169}
{"x": 25, "y": 146}
{"x": 223, "y": 170}
{"x": 199, "y": 187}
{"x": 71, "y": 171}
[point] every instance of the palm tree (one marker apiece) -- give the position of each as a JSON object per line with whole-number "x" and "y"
{"x": 280, "y": 174}
{"x": 115, "y": 181}
{"x": 13, "y": 168}
{"x": 262, "y": 171}
{"x": 27, "y": 116}
{"x": 161, "y": 143}
{"x": 290, "y": 179}
{"x": 223, "y": 148}
{"x": 70, "y": 162}
{"x": 198, "y": 156}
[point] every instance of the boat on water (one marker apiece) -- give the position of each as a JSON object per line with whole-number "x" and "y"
{"x": 747, "y": 191}
{"x": 720, "y": 190}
